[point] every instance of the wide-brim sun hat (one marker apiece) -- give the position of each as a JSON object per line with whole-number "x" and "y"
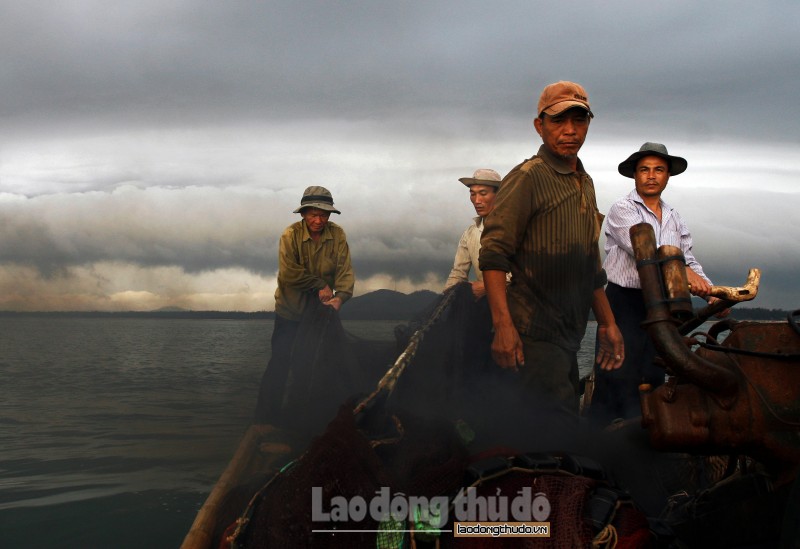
{"x": 482, "y": 176}
{"x": 317, "y": 197}
{"x": 677, "y": 165}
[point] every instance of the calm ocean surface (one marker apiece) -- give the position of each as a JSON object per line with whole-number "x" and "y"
{"x": 113, "y": 431}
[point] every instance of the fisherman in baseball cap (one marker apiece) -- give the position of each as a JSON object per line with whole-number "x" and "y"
{"x": 317, "y": 197}
{"x": 544, "y": 228}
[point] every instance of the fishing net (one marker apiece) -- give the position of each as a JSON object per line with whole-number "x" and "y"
{"x": 409, "y": 435}
{"x": 410, "y": 440}
{"x": 571, "y": 493}
{"x": 340, "y": 462}
{"x": 343, "y": 463}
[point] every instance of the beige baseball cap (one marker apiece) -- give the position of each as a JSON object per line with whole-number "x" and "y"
{"x": 563, "y": 95}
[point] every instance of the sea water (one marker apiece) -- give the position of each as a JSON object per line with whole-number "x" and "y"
{"x": 114, "y": 430}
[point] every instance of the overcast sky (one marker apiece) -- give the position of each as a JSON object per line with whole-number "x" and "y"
{"x": 152, "y": 151}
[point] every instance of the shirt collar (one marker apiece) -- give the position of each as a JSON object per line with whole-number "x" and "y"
{"x": 478, "y": 221}
{"x": 558, "y": 163}
{"x": 636, "y": 198}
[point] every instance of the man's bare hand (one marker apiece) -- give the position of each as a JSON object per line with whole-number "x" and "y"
{"x": 611, "y": 353}
{"x": 697, "y": 284}
{"x": 336, "y": 303}
{"x": 507, "y": 348}
{"x": 325, "y": 294}
{"x": 478, "y": 290}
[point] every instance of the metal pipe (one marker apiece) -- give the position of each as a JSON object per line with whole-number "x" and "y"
{"x": 676, "y": 284}
{"x": 661, "y": 327}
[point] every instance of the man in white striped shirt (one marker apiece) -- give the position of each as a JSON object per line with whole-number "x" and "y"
{"x": 617, "y": 391}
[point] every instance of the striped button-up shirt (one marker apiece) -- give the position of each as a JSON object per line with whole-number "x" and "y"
{"x": 620, "y": 263}
{"x": 544, "y": 229}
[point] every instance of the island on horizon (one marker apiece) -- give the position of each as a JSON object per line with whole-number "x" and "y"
{"x": 377, "y": 305}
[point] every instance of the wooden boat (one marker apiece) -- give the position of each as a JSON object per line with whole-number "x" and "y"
{"x": 262, "y": 450}
{"x": 735, "y": 401}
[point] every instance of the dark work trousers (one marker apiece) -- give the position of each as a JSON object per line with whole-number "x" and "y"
{"x": 549, "y": 385}
{"x": 616, "y": 392}
{"x": 273, "y": 382}
{"x": 550, "y": 372}
{"x": 549, "y": 380}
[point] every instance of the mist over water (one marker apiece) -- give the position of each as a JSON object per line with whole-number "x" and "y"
{"x": 113, "y": 431}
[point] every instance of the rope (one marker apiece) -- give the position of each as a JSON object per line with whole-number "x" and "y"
{"x": 399, "y": 429}
{"x": 244, "y": 519}
{"x": 759, "y": 354}
{"x": 607, "y": 538}
{"x": 386, "y": 383}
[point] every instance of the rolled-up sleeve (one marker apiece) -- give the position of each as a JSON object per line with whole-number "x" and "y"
{"x": 504, "y": 228}
{"x": 686, "y": 246}
{"x": 600, "y": 279}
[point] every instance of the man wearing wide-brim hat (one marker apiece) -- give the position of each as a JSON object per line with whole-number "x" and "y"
{"x": 313, "y": 264}
{"x": 483, "y": 187}
{"x": 616, "y": 393}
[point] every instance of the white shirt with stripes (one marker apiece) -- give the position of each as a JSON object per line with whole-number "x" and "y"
{"x": 620, "y": 263}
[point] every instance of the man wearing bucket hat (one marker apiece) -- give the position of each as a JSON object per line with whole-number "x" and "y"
{"x": 544, "y": 230}
{"x": 313, "y": 263}
{"x": 616, "y": 393}
{"x": 483, "y": 187}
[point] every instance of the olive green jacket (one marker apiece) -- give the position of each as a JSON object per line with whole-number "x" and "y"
{"x": 305, "y": 267}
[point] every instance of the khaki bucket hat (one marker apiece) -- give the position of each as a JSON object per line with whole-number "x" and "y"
{"x": 317, "y": 197}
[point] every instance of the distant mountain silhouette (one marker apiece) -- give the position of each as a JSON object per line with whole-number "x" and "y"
{"x": 387, "y": 305}
{"x": 377, "y": 305}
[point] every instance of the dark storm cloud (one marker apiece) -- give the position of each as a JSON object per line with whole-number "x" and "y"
{"x": 186, "y": 61}
{"x": 148, "y": 227}
{"x": 159, "y": 135}
{"x": 202, "y": 229}
{"x": 201, "y": 61}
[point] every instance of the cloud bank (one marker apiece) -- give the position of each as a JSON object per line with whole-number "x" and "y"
{"x": 151, "y": 153}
